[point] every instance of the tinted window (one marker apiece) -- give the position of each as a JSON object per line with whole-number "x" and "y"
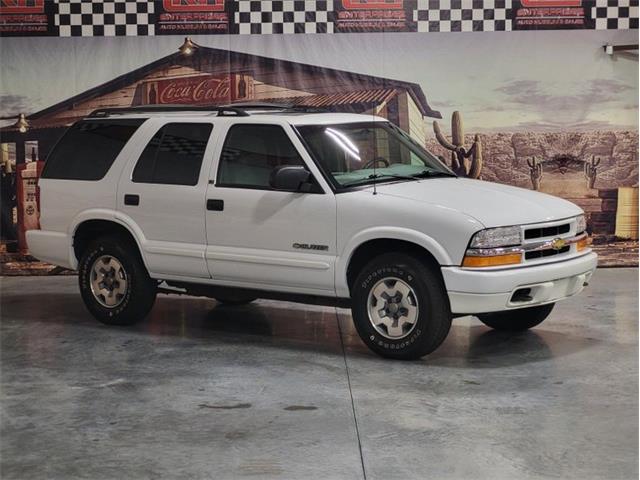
{"x": 174, "y": 155}
{"x": 251, "y": 152}
{"x": 88, "y": 149}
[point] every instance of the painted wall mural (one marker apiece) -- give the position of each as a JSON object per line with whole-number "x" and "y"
{"x": 523, "y": 92}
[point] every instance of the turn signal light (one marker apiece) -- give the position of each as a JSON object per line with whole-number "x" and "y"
{"x": 492, "y": 261}
{"x": 582, "y": 244}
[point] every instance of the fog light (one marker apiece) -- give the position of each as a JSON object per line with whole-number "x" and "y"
{"x": 491, "y": 260}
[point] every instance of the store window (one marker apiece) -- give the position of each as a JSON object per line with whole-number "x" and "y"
{"x": 88, "y": 149}
{"x": 250, "y": 154}
{"x": 174, "y": 155}
{"x": 31, "y": 151}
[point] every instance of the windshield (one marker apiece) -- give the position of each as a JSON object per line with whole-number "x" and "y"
{"x": 362, "y": 153}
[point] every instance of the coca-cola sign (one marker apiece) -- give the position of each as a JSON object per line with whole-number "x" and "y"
{"x": 200, "y": 89}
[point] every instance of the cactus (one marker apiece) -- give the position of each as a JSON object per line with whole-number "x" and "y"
{"x": 535, "y": 172}
{"x": 467, "y": 163}
{"x": 591, "y": 171}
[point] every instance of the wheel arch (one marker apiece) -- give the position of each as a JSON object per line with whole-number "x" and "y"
{"x": 87, "y": 229}
{"x": 372, "y": 245}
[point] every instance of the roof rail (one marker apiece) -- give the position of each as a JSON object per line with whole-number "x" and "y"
{"x": 258, "y": 106}
{"x": 285, "y": 107}
{"x": 220, "y": 110}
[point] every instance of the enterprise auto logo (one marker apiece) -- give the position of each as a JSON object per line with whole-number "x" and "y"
{"x": 310, "y": 246}
{"x": 22, "y": 6}
{"x": 193, "y": 5}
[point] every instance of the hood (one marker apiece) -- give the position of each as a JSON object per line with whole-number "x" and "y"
{"x": 492, "y": 204}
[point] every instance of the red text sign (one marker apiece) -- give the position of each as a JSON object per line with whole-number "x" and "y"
{"x": 193, "y": 5}
{"x": 21, "y": 6}
{"x": 200, "y": 89}
{"x": 372, "y": 4}
{"x": 551, "y": 3}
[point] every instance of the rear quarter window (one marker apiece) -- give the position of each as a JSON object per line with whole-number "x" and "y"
{"x": 88, "y": 149}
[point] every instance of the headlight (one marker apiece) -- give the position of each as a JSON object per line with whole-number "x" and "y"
{"x": 490, "y": 248}
{"x": 497, "y": 237}
{"x": 581, "y": 224}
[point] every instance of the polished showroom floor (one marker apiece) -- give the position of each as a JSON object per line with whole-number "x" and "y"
{"x": 281, "y": 390}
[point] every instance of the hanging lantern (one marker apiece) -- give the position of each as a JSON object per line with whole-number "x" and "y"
{"x": 188, "y": 47}
{"x": 22, "y": 124}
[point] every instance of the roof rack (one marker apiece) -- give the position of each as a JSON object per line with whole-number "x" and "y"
{"x": 258, "y": 106}
{"x": 284, "y": 107}
{"x": 220, "y": 110}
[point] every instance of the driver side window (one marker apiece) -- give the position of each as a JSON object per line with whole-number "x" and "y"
{"x": 251, "y": 152}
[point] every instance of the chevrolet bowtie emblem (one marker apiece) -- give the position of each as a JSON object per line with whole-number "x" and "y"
{"x": 558, "y": 244}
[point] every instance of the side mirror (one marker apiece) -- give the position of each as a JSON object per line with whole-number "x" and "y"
{"x": 290, "y": 178}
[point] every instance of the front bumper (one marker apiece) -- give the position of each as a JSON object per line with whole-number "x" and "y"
{"x": 477, "y": 291}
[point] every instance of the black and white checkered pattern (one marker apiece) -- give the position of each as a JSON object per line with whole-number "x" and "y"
{"x": 182, "y": 146}
{"x": 615, "y": 15}
{"x": 88, "y": 18}
{"x": 463, "y": 15}
{"x": 284, "y": 16}
{"x": 137, "y": 17}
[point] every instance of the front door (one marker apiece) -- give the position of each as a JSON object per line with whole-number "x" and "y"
{"x": 262, "y": 238}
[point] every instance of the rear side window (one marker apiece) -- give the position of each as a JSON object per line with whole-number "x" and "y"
{"x": 88, "y": 149}
{"x": 174, "y": 155}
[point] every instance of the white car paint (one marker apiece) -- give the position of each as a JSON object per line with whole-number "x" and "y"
{"x": 250, "y": 243}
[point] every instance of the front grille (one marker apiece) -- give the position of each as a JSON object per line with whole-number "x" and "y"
{"x": 543, "y": 232}
{"x": 546, "y": 253}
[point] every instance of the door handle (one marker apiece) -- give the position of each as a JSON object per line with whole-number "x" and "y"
{"x": 131, "y": 199}
{"x": 215, "y": 205}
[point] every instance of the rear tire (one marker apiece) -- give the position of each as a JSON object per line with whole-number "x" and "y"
{"x": 517, "y": 320}
{"x": 400, "y": 306}
{"x": 114, "y": 283}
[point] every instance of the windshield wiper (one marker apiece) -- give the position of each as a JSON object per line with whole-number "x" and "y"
{"x": 414, "y": 176}
{"x": 432, "y": 174}
{"x": 377, "y": 176}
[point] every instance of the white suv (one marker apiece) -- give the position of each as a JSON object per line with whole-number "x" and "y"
{"x": 330, "y": 208}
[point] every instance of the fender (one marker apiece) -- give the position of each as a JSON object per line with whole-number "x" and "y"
{"x": 108, "y": 215}
{"x": 391, "y": 233}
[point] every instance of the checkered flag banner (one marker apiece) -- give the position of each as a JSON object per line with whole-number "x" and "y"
{"x": 284, "y": 16}
{"x": 463, "y": 15}
{"x": 88, "y": 18}
{"x": 615, "y": 15}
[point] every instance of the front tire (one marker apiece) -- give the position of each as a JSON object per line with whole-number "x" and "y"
{"x": 517, "y": 320}
{"x": 400, "y": 307}
{"x": 114, "y": 283}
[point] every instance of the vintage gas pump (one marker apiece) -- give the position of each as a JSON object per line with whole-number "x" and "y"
{"x": 28, "y": 200}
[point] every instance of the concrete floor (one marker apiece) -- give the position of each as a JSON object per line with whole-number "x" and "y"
{"x": 279, "y": 390}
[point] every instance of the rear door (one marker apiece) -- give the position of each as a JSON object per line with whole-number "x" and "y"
{"x": 162, "y": 192}
{"x": 262, "y": 238}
